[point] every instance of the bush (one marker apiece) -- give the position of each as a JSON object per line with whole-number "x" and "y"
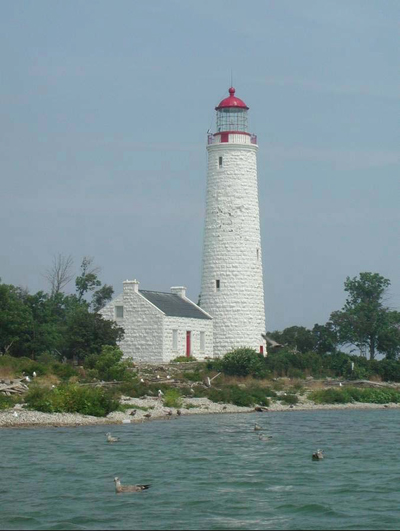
{"x": 7, "y": 402}
{"x": 108, "y": 365}
{"x": 233, "y": 394}
{"x": 244, "y": 362}
{"x": 193, "y": 376}
{"x": 183, "y": 359}
{"x": 289, "y": 399}
{"x": 353, "y": 394}
{"x": 71, "y": 398}
{"x": 173, "y": 398}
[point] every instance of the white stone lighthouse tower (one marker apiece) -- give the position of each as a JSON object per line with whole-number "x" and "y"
{"x": 232, "y": 289}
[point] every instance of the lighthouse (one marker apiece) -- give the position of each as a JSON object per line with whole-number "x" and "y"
{"x": 232, "y": 290}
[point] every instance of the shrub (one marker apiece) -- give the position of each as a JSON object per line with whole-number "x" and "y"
{"x": 71, "y": 398}
{"x": 233, "y": 394}
{"x": 330, "y": 396}
{"x": 108, "y": 365}
{"x": 244, "y": 362}
{"x": 173, "y": 398}
{"x": 7, "y": 402}
{"x": 193, "y": 376}
{"x": 183, "y": 359}
{"x": 289, "y": 399}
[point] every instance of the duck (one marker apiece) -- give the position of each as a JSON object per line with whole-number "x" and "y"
{"x": 111, "y": 439}
{"x": 318, "y": 455}
{"x": 133, "y": 412}
{"x": 265, "y": 438}
{"x": 148, "y": 415}
{"x": 179, "y": 412}
{"x": 128, "y": 488}
{"x": 257, "y": 427}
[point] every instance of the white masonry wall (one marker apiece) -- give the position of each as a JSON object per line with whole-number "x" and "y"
{"x": 142, "y": 323}
{"x": 232, "y": 249}
{"x": 195, "y": 326}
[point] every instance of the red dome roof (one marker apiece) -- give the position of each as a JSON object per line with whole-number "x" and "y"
{"x": 232, "y": 101}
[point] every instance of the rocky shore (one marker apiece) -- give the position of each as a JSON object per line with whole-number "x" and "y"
{"x": 139, "y": 410}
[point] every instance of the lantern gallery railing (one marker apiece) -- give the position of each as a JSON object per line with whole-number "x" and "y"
{"x": 211, "y": 139}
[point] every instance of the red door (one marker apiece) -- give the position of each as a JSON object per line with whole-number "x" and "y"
{"x": 188, "y": 334}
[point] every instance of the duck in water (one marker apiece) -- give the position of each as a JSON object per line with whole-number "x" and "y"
{"x": 128, "y": 488}
{"x": 318, "y": 455}
{"x": 111, "y": 439}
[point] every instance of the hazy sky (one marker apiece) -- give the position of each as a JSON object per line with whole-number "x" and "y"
{"x": 104, "y": 108}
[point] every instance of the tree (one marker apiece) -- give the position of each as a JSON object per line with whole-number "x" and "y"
{"x": 16, "y": 321}
{"x": 101, "y": 297}
{"x": 88, "y": 280}
{"x": 364, "y": 321}
{"x": 326, "y": 339}
{"x": 60, "y": 273}
{"x": 298, "y": 338}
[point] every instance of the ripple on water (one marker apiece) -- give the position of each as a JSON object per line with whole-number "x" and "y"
{"x": 207, "y": 472}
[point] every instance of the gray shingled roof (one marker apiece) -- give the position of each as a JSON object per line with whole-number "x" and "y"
{"x": 173, "y": 305}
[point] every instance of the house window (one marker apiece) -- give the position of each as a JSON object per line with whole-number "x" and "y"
{"x": 219, "y": 162}
{"x": 202, "y": 341}
{"x": 217, "y": 285}
{"x": 119, "y": 312}
{"x": 175, "y": 339}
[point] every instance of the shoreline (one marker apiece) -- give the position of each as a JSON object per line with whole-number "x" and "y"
{"x": 19, "y": 417}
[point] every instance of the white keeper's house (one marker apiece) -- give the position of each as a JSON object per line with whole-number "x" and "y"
{"x": 160, "y": 326}
{"x": 231, "y": 313}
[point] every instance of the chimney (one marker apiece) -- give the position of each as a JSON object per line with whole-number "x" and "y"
{"x": 179, "y": 290}
{"x": 130, "y": 286}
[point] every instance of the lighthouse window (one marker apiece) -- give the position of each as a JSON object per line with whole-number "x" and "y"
{"x": 220, "y": 162}
{"x": 217, "y": 285}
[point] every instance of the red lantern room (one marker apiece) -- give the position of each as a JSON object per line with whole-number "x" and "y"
{"x": 232, "y": 114}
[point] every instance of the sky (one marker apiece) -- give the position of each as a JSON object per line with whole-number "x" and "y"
{"x": 104, "y": 109}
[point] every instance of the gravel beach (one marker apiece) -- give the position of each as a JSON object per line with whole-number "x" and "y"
{"x": 19, "y": 417}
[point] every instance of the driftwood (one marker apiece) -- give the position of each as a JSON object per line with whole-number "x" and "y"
{"x": 12, "y": 387}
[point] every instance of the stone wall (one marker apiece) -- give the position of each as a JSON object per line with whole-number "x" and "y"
{"x": 232, "y": 249}
{"x": 195, "y": 326}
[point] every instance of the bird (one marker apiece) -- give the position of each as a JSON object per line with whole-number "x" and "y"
{"x": 264, "y": 438}
{"x": 128, "y": 488}
{"x": 111, "y": 439}
{"x": 34, "y": 374}
{"x": 158, "y": 376}
{"x": 15, "y": 414}
{"x": 160, "y": 393}
{"x": 168, "y": 377}
{"x": 257, "y": 427}
{"x": 133, "y": 412}
{"x": 148, "y": 415}
{"x": 224, "y": 408}
{"x": 27, "y": 379}
{"x": 318, "y": 455}
{"x": 169, "y": 413}
{"x": 141, "y": 380}
{"x": 179, "y": 412}
{"x": 340, "y": 384}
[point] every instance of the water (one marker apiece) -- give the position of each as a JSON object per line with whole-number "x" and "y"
{"x": 207, "y": 472}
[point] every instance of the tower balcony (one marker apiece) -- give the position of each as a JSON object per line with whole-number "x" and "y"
{"x": 231, "y": 137}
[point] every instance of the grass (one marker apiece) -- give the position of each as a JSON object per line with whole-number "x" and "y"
{"x": 173, "y": 398}
{"x": 354, "y": 394}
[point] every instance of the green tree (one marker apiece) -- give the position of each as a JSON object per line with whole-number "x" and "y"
{"x": 297, "y": 338}
{"x": 16, "y": 321}
{"x": 364, "y": 321}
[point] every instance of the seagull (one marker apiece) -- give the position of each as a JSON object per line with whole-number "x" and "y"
{"x": 340, "y": 384}
{"x": 141, "y": 380}
{"x": 257, "y": 427}
{"x": 160, "y": 393}
{"x": 111, "y": 439}
{"x": 265, "y": 438}
{"x": 128, "y": 488}
{"x": 15, "y": 414}
{"x": 158, "y": 376}
{"x": 318, "y": 455}
{"x": 34, "y": 374}
{"x": 27, "y": 379}
{"x": 168, "y": 377}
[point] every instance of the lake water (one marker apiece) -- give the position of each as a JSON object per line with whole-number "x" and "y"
{"x": 207, "y": 472}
